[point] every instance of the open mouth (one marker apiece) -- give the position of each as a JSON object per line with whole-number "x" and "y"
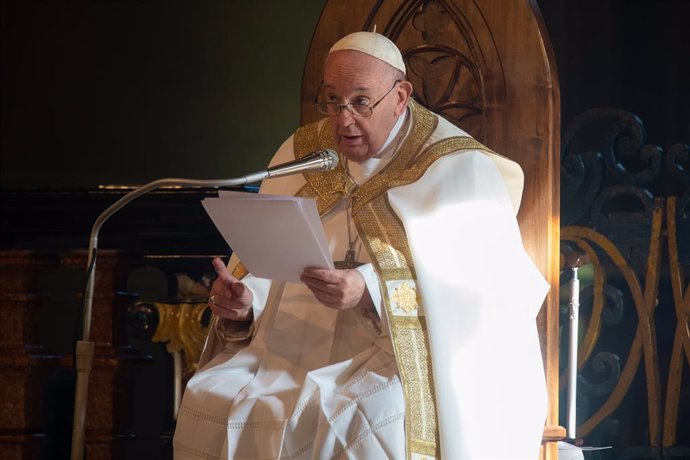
{"x": 350, "y": 139}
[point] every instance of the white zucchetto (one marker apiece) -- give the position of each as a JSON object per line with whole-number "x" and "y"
{"x": 373, "y": 44}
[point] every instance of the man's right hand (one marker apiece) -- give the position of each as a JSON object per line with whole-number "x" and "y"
{"x": 229, "y": 299}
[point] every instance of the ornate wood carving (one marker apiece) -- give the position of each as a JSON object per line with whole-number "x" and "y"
{"x": 446, "y": 67}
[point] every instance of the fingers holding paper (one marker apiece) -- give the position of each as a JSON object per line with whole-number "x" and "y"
{"x": 230, "y": 298}
{"x": 339, "y": 289}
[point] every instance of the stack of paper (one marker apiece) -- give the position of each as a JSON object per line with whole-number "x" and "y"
{"x": 274, "y": 236}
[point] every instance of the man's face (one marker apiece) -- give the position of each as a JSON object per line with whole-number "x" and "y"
{"x": 351, "y": 76}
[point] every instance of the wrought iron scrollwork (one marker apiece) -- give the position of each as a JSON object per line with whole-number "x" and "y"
{"x": 603, "y": 363}
{"x": 678, "y": 162}
{"x": 604, "y": 147}
{"x": 619, "y": 136}
{"x": 626, "y": 203}
{"x": 581, "y": 179}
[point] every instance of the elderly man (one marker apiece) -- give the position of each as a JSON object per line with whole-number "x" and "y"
{"x": 422, "y": 342}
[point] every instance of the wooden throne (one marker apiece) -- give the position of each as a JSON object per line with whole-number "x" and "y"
{"x": 487, "y": 66}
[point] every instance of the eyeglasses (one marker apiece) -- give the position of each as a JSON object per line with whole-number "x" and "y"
{"x": 360, "y": 109}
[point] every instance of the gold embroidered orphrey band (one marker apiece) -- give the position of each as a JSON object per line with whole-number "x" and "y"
{"x": 386, "y": 242}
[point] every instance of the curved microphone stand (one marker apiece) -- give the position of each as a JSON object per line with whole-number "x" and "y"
{"x": 323, "y": 160}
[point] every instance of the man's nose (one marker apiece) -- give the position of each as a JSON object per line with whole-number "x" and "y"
{"x": 345, "y": 117}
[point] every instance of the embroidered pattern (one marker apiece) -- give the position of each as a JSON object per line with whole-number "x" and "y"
{"x": 240, "y": 271}
{"x": 405, "y": 298}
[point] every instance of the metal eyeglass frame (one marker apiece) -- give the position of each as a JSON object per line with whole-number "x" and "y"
{"x": 323, "y": 107}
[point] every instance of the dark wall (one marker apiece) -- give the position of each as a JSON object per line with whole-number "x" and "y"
{"x": 630, "y": 54}
{"x": 98, "y": 92}
{"x": 102, "y": 92}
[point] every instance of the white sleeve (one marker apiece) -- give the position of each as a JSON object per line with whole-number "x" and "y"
{"x": 372, "y": 283}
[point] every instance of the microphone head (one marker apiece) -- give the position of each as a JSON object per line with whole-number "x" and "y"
{"x": 319, "y": 161}
{"x": 330, "y": 159}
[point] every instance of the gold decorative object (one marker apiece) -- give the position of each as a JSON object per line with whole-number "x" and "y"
{"x": 405, "y": 298}
{"x": 681, "y": 337}
{"x": 181, "y": 327}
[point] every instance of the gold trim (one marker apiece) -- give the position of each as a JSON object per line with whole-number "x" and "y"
{"x": 383, "y": 236}
{"x": 433, "y": 153}
{"x": 408, "y": 322}
{"x": 240, "y": 271}
{"x": 391, "y": 260}
{"x": 327, "y": 187}
{"x": 681, "y": 339}
{"x": 424, "y": 448}
{"x": 180, "y": 325}
{"x": 422, "y": 124}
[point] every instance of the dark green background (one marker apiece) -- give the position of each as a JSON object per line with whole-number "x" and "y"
{"x": 127, "y": 91}
{"x": 124, "y": 92}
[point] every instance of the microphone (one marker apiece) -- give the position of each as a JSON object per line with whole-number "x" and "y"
{"x": 321, "y": 160}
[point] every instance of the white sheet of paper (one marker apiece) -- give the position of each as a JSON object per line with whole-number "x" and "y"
{"x": 274, "y": 236}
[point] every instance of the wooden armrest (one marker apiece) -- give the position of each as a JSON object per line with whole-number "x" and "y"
{"x": 553, "y": 433}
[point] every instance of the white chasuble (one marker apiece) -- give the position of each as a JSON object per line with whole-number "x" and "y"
{"x": 452, "y": 369}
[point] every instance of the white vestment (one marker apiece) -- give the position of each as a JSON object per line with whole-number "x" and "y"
{"x": 311, "y": 382}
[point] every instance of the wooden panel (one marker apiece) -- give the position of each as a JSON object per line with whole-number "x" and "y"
{"x": 28, "y": 370}
{"x": 24, "y": 366}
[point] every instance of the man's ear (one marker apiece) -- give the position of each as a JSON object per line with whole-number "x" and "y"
{"x": 403, "y": 93}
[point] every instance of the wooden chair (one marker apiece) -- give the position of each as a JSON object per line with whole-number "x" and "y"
{"x": 487, "y": 66}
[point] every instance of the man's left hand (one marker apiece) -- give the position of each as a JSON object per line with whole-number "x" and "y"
{"x": 338, "y": 289}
